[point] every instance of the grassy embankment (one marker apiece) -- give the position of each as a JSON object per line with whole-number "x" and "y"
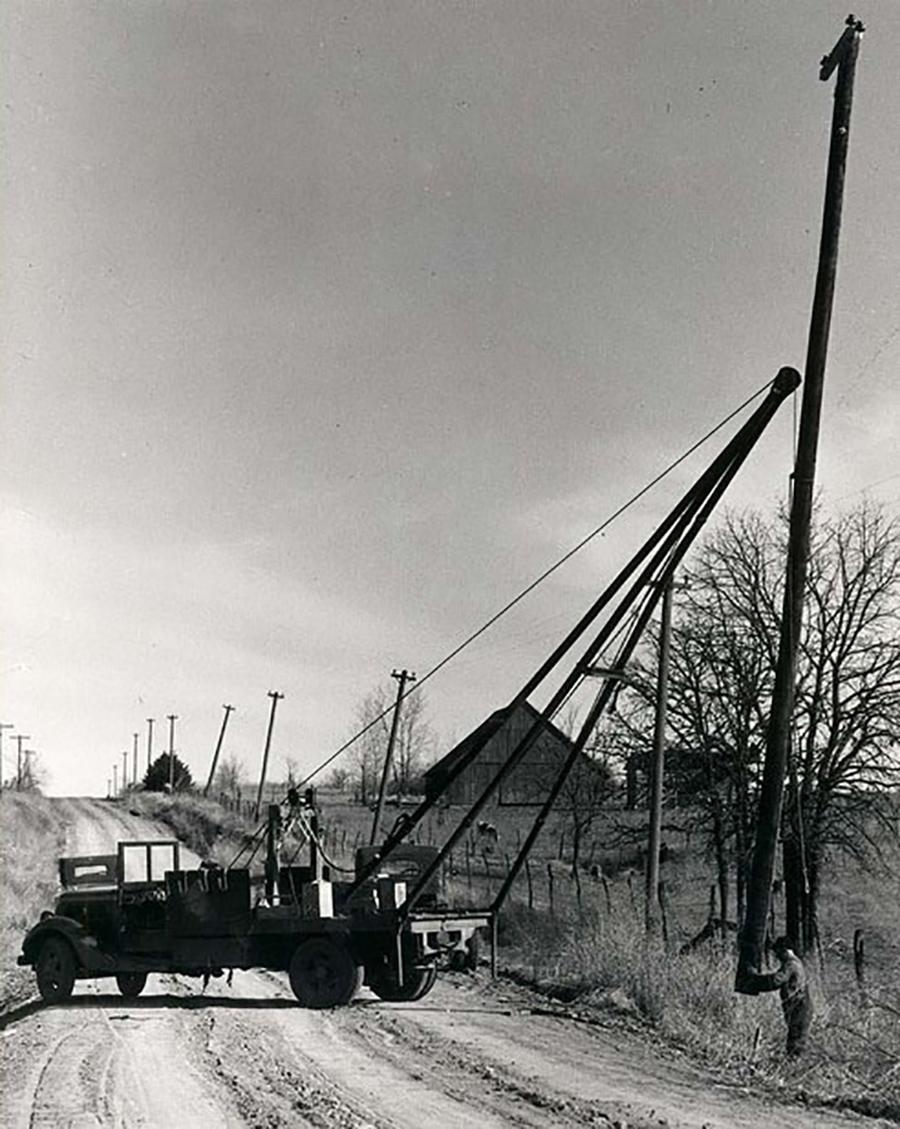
{"x": 31, "y": 840}
{"x": 204, "y": 826}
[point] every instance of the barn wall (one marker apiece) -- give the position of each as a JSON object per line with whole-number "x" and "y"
{"x": 528, "y": 783}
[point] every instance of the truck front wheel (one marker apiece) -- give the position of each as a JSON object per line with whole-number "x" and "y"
{"x": 323, "y": 974}
{"x": 55, "y": 968}
{"x": 131, "y": 984}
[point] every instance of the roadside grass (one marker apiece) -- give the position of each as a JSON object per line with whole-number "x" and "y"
{"x": 204, "y": 826}
{"x": 600, "y": 959}
{"x": 31, "y": 840}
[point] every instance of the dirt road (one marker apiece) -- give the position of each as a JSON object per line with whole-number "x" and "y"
{"x": 471, "y": 1054}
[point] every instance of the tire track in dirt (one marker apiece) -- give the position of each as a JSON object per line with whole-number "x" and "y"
{"x": 96, "y": 1061}
{"x": 585, "y": 1070}
{"x": 322, "y": 1048}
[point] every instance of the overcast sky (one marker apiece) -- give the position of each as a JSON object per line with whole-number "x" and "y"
{"x": 327, "y": 326}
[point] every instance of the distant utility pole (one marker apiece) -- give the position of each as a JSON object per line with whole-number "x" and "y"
{"x": 124, "y": 771}
{"x": 134, "y": 760}
{"x": 659, "y": 758}
{"x": 768, "y": 822}
{"x": 115, "y": 779}
{"x": 275, "y": 696}
{"x": 19, "y": 738}
{"x": 3, "y": 725}
{"x": 215, "y": 760}
{"x": 108, "y": 787}
{"x": 402, "y": 676}
{"x": 150, "y": 721}
{"x": 173, "y": 717}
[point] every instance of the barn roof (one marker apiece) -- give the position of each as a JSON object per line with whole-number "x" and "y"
{"x": 485, "y": 731}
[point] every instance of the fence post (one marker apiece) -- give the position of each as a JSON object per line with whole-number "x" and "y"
{"x": 663, "y": 906}
{"x": 530, "y": 885}
{"x": 606, "y": 892}
{"x": 550, "y": 889}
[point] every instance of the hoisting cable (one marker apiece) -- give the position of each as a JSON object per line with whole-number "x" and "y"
{"x": 665, "y": 547}
{"x": 537, "y": 581}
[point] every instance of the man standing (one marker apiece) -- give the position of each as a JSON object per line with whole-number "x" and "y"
{"x": 792, "y": 983}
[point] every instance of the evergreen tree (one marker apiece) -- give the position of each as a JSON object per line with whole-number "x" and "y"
{"x": 156, "y": 778}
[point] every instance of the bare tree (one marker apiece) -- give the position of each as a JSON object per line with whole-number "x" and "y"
{"x": 587, "y": 790}
{"x": 415, "y": 743}
{"x": 847, "y": 712}
{"x": 229, "y": 776}
{"x": 291, "y": 769}
{"x": 339, "y": 777}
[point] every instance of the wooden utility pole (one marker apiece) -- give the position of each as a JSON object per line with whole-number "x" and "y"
{"x": 654, "y": 837}
{"x": 150, "y": 721}
{"x": 115, "y": 779}
{"x": 124, "y": 770}
{"x": 752, "y": 942}
{"x": 215, "y": 760}
{"x": 402, "y": 676}
{"x": 275, "y": 696}
{"x": 3, "y": 725}
{"x": 172, "y": 717}
{"x": 134, "y": 759}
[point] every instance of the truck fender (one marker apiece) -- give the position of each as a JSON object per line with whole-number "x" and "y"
{"x": 55, "y": 925}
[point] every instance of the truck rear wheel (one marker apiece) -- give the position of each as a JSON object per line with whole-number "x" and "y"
{"x": 55, "y": 968}
{"x": 131, "y": 984}
{"x": 417, "y": 982}
{"x": 323, "y": 974}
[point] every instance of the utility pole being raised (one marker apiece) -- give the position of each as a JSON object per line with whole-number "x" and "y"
{"x": 654, "y": 836}
{"x": 215, "y": 760}
{"x": 402, "y": 676}
{"x": 150, "y": 721}
{"x": 276, "y": 697}
{"x": 753, "y": 934}
{"x": 3, "y": 725}
{"x": 173, "y": 717}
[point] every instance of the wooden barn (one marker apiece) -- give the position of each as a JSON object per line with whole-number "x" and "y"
{"x": 527, "y": 784}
